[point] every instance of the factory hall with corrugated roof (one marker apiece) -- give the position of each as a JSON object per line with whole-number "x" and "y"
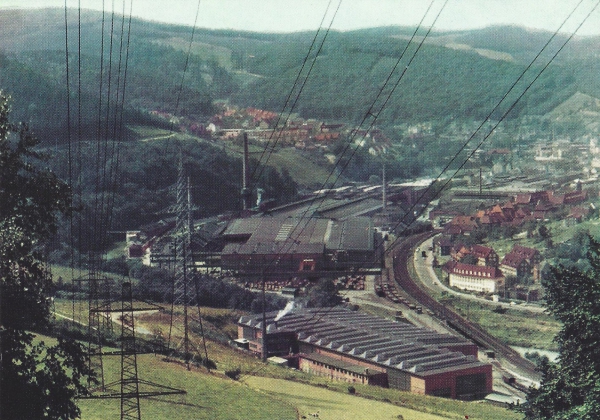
{"x": 311, "y": 247}
{"x": 359, "y": 348}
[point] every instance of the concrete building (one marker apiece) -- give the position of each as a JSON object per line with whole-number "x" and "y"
{"x": 359, "y": 348}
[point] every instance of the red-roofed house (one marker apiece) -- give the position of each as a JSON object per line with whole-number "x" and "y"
{"x": 515, "y": 265}
{"x": 575, "y": 197}
{"x": 475, "y": 277}
{"x": 522, "y": 261}
{"x": 459, "y": 251}
{"x": 542, "y": 211}
{"x": 453, "y": 230}
{"x": 533, "y": 255}
{"x": 577, "y": 215}
{"x": 486, "y": 256}
{"x": 467, "y": 224}
{"x": 523, "y": 199}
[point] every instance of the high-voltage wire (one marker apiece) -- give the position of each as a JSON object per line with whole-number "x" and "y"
{"x": 511, "y": 107}
{"x": 505, "y": 114}
{"x": 368, "y": 115}
{"x": 268, "y": 145}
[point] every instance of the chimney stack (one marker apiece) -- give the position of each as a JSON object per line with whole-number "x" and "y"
{"x": 246, "y": 193}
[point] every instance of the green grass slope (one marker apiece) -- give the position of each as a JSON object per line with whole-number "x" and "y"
{"x": 209, "y": 396}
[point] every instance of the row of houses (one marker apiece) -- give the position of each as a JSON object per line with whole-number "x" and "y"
{"x": 486, "y": 272}
{"x": 520, "y": 209}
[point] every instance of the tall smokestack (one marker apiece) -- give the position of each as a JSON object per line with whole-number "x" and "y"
{"x": 246, "y": 193}
{"x": 384, "y": 190}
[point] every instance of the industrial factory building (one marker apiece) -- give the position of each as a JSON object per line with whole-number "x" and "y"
{"x": 359, "y": 348}
{"x": 290, "y": 246}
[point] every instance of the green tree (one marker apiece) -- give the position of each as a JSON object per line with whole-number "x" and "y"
{"x": 570, "y": 388}
{"x": 36, "y": 380}
{"x": 469, "y": 259}
{"x": 544, "y": 232}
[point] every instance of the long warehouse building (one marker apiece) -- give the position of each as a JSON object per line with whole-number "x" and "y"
{"x": 311, "y": 247}
{"x": 360, "y": 348}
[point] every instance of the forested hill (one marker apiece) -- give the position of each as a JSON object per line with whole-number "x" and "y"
{"x": 454, "y": 75}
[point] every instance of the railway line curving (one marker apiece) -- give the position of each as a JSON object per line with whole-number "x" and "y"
{"x": 401, "y": 257}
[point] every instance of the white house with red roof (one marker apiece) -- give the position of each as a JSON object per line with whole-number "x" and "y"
{"x": 474, "y": 277}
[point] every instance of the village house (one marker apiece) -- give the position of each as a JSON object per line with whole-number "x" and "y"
{"x": 515, "y": 265}
{"x": 458, "y": 251}
{"x": 522, "y": 261}
{"x": 485, "y": 255}
{"x": 466, "y": 224}
{"x": 474, "y": 277}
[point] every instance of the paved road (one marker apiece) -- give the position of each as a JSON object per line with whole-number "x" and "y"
{"x": 367, "y": 297}
{"x": 511, "y": 360}
{"x": 427, "y": 276}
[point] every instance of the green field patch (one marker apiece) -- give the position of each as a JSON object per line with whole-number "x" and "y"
{"x": 332, "y": 405}
{"x": 146, "y": 133}
{"x": 331, "y": 400}
{"x": 208, "y": 395}
{"x": 514, "y": 327}
{"x": 304, "y": 169}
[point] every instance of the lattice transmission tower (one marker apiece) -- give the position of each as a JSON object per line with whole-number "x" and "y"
{"x": 99, "y": 321}
{"x": 184, "y": 288}
{"x": 130, "y": 388}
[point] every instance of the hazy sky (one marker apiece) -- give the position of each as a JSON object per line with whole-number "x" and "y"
{"x": 294, "y": 15}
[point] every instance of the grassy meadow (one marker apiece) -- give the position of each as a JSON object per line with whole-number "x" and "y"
{"x": 263, "y": 391}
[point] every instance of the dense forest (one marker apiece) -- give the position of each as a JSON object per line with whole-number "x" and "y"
{"x": 252, "y": 69}
{"x": 440, "y": 82}
{"x": 129, "y": 192}
{"x": 114, "y": 82}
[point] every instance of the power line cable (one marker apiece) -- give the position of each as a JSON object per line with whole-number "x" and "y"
{"x": 505, "y": 114}
{"x": 101, "y": 236}
{"x": 303, "y": 84}
{"x": 374, "y": 116}
{"x": 116, "y": 135}
{"x": 69, "y": 157}
{"x": 368, "y": 115}
{"x": 79, "y": 190}
{"x": 122, "y": 106}
{"x": 92, "y": 232}
{"x": 511, "y": 107}
{"x": 186, "y": 66}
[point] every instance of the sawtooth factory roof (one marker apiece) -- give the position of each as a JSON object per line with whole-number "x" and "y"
{"x": 387, "y": 343}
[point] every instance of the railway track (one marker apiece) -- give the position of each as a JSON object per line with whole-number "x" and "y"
{"x": 401, "y": 256}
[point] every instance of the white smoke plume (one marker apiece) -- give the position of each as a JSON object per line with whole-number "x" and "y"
{"x": 288, "y": 308}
